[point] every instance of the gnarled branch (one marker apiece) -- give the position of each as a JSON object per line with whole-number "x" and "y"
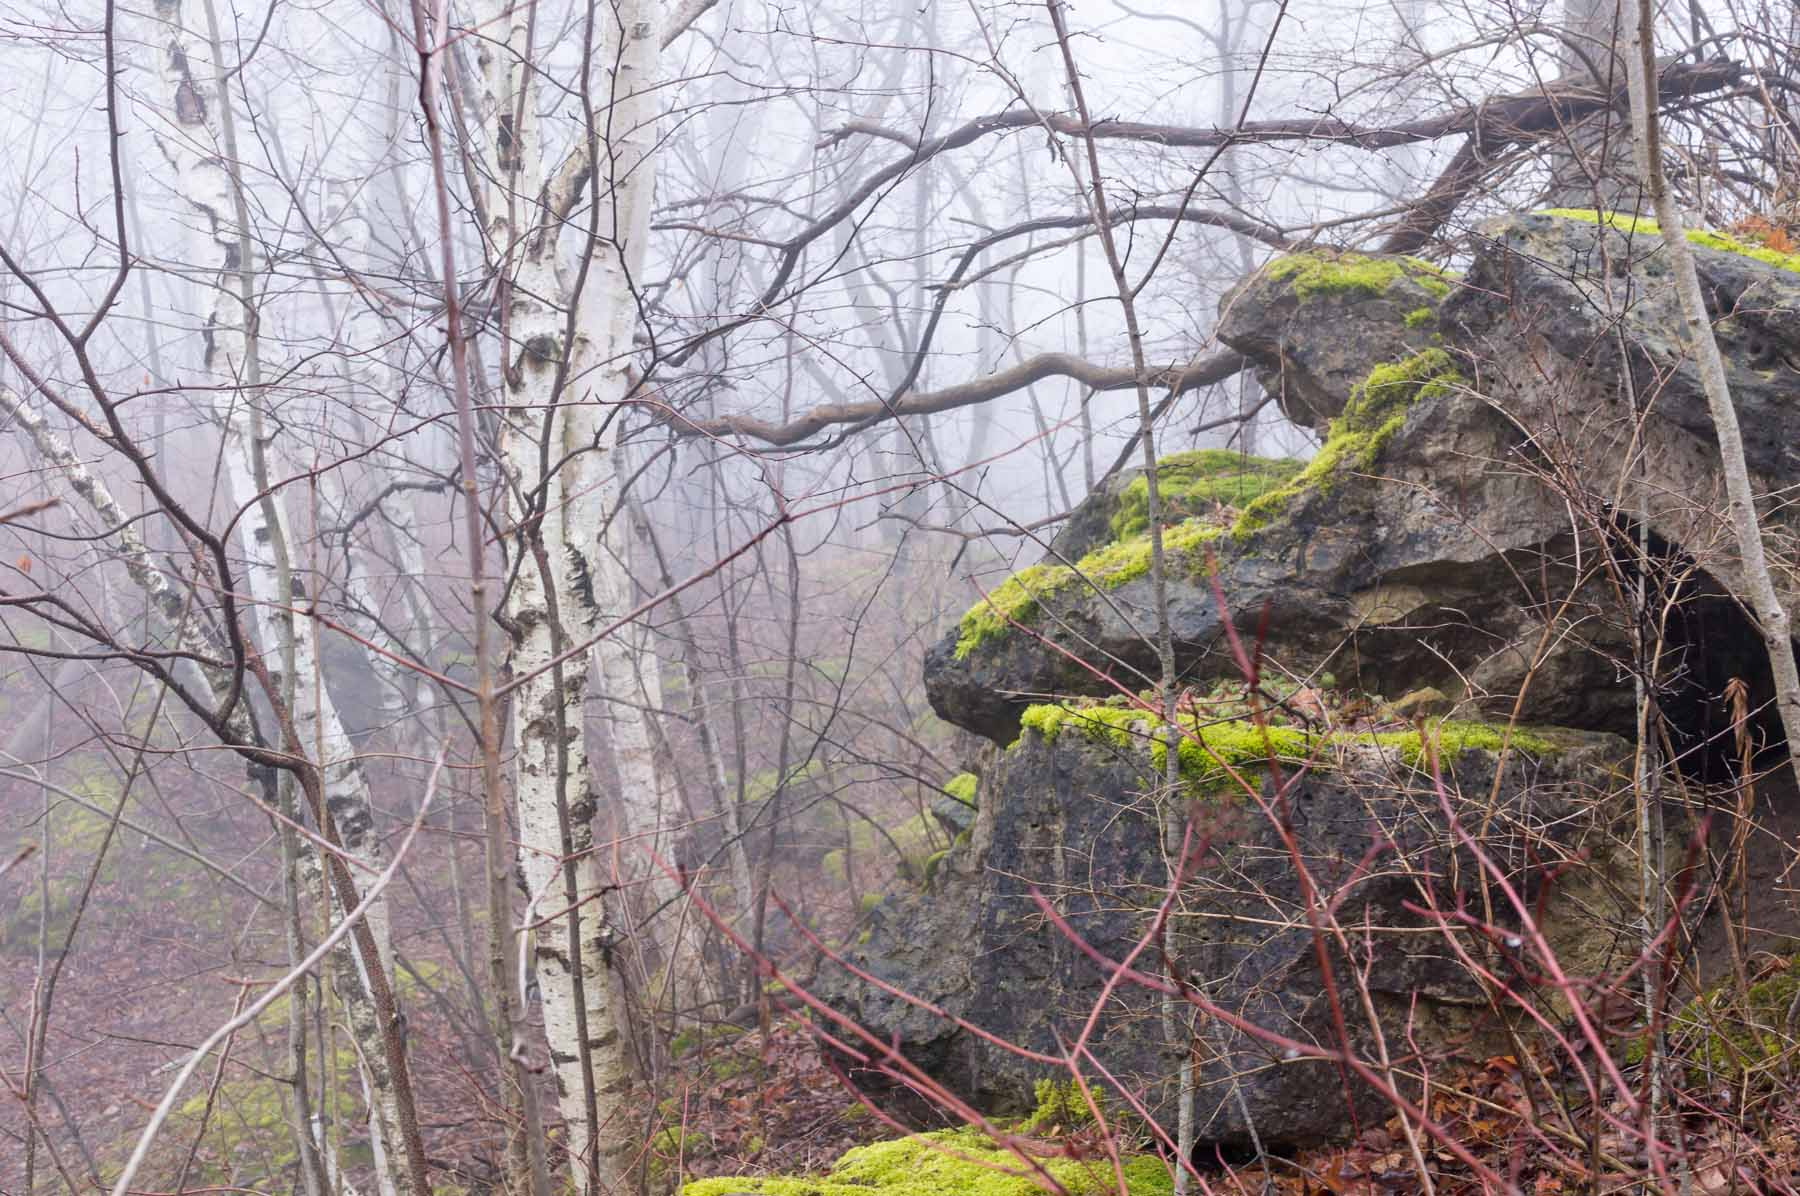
{"x": 1177, "y": 378}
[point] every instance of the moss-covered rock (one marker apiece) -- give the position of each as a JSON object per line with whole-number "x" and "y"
{"x": 1197, "y": 483}
{"x": 1074, "y": 817}
{"x": 1724, "y": 242}
{"x": 1376, "y": 411}
{"x": 1017, "y": 599}
{"x": 1315, "y": 323}
{"x": 1210, "y": 751}
{"x": 1323, "y": 272}
{"x": 950, "y": 1163}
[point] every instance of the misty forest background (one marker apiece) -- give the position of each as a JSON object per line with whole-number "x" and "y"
{"x": 505, "y": 464}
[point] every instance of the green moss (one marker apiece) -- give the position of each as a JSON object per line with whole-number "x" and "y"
{"x": 1262, "y": 487}
{"x": 1323, "y": 272}
{"x": 1207, "y": 747}
{"x": 729, "y": 1065}
{"x": 694, "y": 1037}
{"x": 1638, "y": 225}
{"x": 914, "y": 839}
{"x": 1453, "y": 737}
{"x": 1192, "y": 483}
{"x": 672, "y": 1147}
{"x": 962, "y": 787}
{"x": 1722, "y": 1037}
{"x": 1016, "y": 600}
{"x": 1419, "y": 316}
{"x": 948, "y": 1163}
{"x": 1203, "y": 750}
{"x": 761, "y": 786}
{"x": 1061, "y": 1103}
{"x": 1193, "y": 486}
{"x": 1376, "y": 411}
{"x": 247, "y": 1142}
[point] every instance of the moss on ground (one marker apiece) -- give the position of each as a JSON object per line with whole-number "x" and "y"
{"x": 1376, "y": 411}
{"x": 1193, "y": 483}
{"x": 1722, "y": 1038}
{"x": 1638, "y": 225}
{"x": 961, "y": 1162}
{"x": 1207, "y": 747}
{"x": 1324, "y": 272}
{"x": 248, "y": 1142}
{"x": 915, "y": 839}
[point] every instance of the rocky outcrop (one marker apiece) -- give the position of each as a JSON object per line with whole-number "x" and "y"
{"x": 1066, "y": 815}
{"x": 1495, "y": 450}
{"x": 1435, "y": 540}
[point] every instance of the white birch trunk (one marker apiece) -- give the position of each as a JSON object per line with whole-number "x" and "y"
{"x": 582, "y": 1002}
{"x": 194, "y": 98}
{"x": 607, "y": 313}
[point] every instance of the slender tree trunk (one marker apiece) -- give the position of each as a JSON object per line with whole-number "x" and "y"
{"x": 1756, "y": 579}
{"x": 544, "y": 429}
{"x": 200, "y": 148}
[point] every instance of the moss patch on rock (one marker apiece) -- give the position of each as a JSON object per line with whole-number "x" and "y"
{"x": 1258, "y": 488}
{"x": 1191, "y": 483}
{"x": 1639, "y": 226}
{"x": 1323, "y": 272}
{"x": 962, "y": 787}
{"x": 1209, "y": 749}
{"x": 964, "y": 1161}
{"x": 1016, "y": 600}
{"x": 1376, "y": 411}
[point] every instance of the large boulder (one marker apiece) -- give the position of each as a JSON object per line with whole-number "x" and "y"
{"x": 1068, "y": 814}
{"x": 1432, "y": 541}
{"x": 1574, "y": 320}
{"x": 1497, "y": 450}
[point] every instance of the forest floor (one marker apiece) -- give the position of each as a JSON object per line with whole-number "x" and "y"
{"x": 773, "y": 1107}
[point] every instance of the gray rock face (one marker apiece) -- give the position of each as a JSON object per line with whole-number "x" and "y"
{"x": 1557, "y": 309}
{"x": 1066, "y": 820}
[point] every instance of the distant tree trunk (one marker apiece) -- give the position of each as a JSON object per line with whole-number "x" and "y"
{"x": 1593, "y": 166}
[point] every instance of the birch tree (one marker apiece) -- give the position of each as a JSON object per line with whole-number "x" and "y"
{"x": 565, "y": 372}
{"x": 200, "y": 145}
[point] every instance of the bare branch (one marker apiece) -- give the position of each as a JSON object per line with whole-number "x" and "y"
{"x": 1177, "y": 378}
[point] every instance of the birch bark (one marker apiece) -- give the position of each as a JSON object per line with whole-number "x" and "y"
{"x": 197, "y": 143}
{"x": 543, "y": 427}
